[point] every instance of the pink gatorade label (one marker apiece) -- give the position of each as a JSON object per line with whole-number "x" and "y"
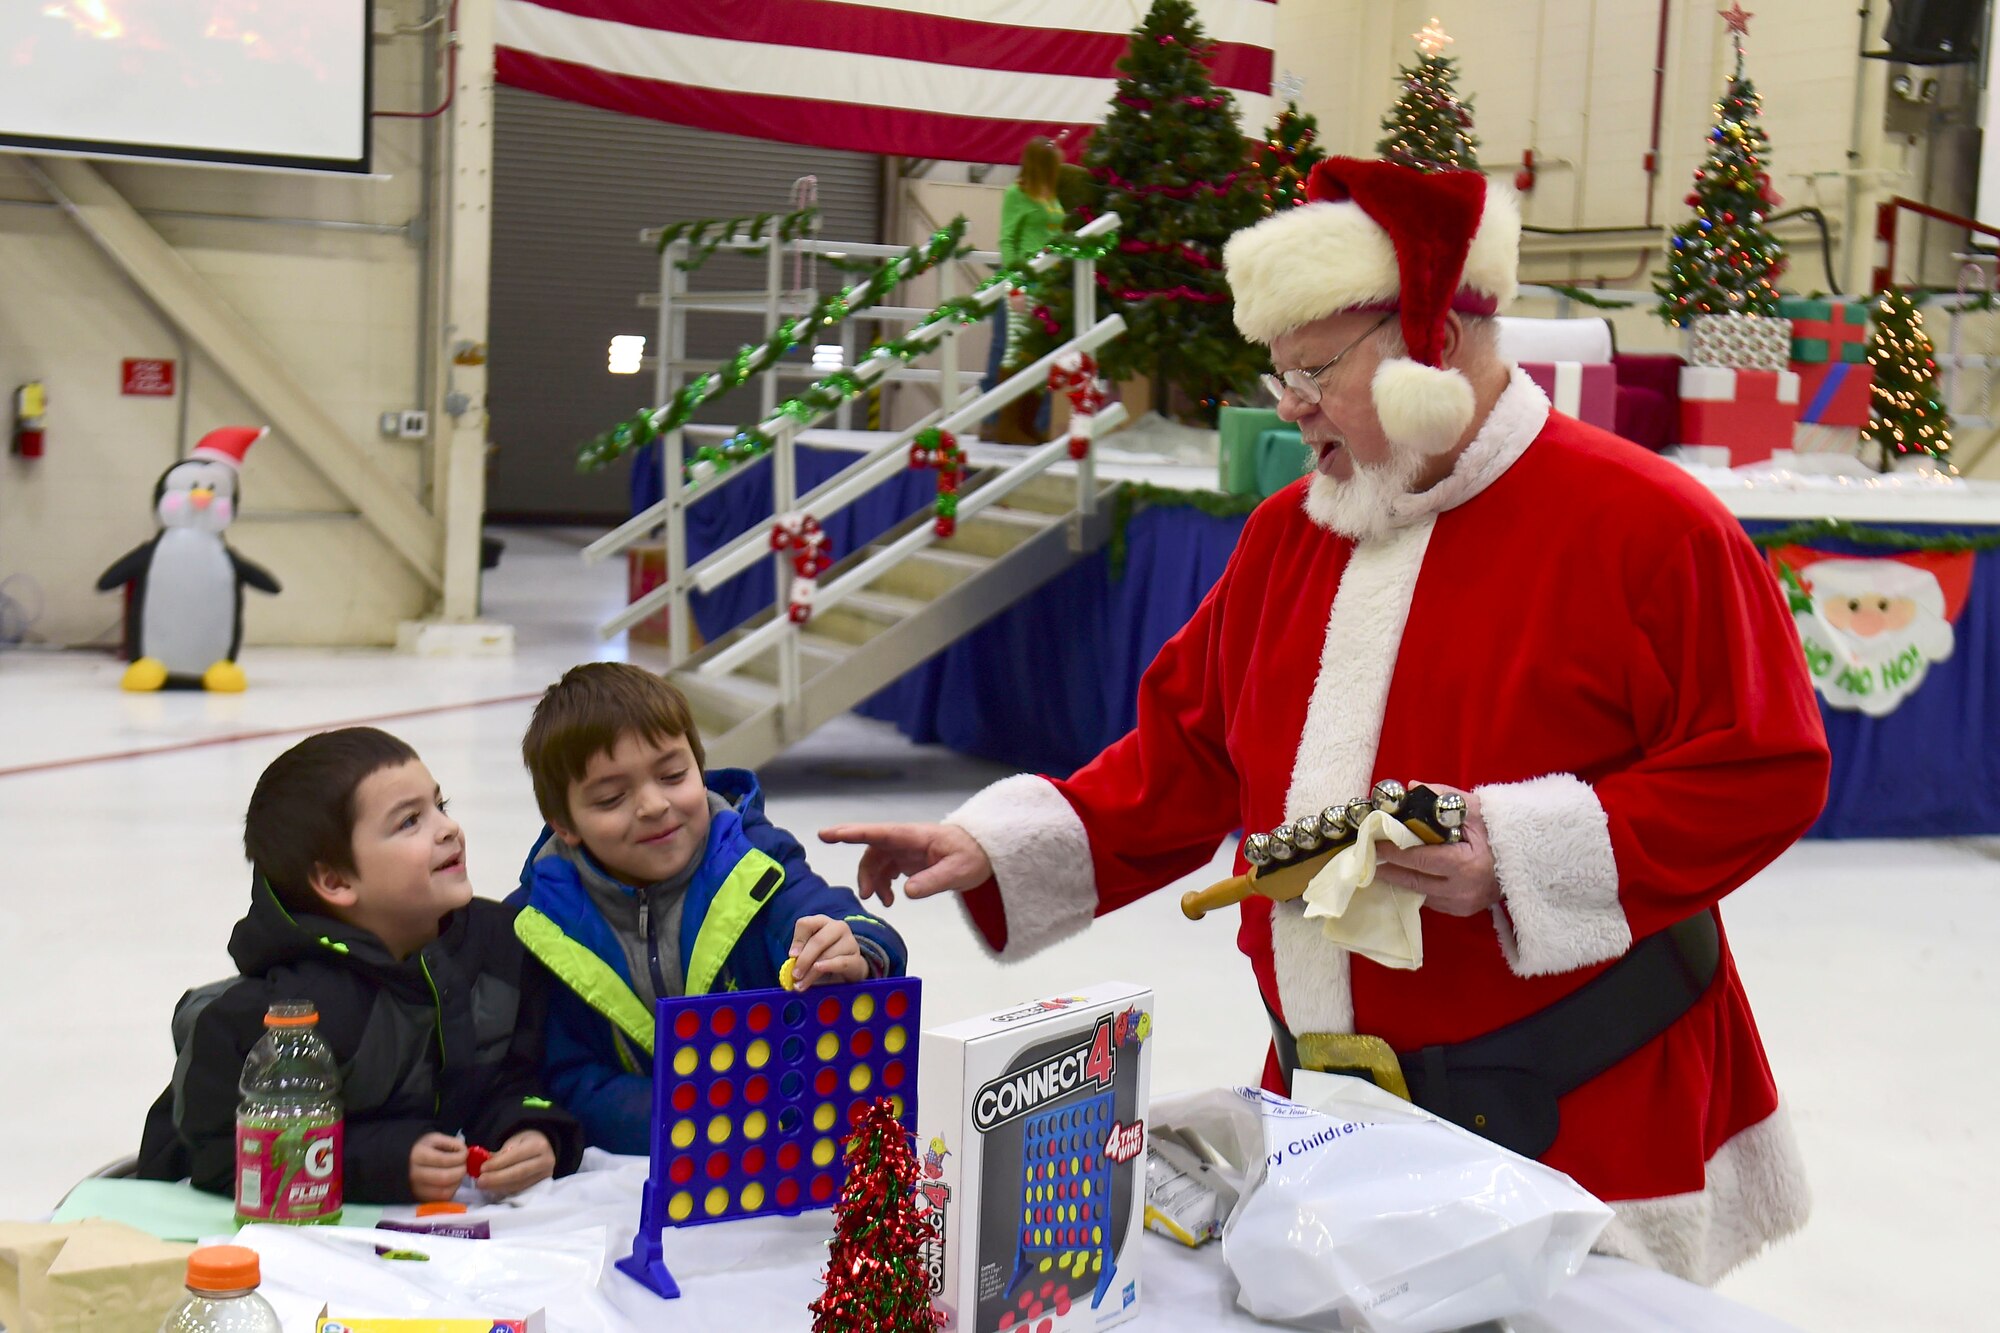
{"x": 289, "y": 1174}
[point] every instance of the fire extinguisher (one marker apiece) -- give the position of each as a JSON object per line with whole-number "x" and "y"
{"x": 31, "y": 403}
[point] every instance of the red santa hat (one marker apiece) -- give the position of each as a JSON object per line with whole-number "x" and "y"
{"x": 229, "y": 444}
{"x": 1381, "y": 237}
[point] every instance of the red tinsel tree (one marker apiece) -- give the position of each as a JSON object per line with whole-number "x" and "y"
{"x": 875, "y": 1280}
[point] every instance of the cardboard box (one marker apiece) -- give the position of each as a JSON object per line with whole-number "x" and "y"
{"x": 1827, "y": 331}
{"x": 1750, "y": 412}
{"x": 534, "y": 1323}
{"x": 1586, "y": 391}
{"x": 95, "y": 1275}
{"x": 1031, "y": 1133}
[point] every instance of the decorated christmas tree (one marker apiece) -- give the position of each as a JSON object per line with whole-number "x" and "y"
{"x": 1430, "y": 126}
{"x": 1905, "y": 417}
{"x": 875, "y": 1279}
{"x": 1724, "y": 260}
{"x": 1171, "y": 162}
{"x": 1281, "y": 161}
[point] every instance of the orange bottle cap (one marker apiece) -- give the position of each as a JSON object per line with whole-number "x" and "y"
{"x": 223, "y": 1268}
{"x": 297, "y": 1014}
{"x": 445, "y": 1209}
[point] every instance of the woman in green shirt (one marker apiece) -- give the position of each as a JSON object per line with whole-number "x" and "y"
{"x": 1029, "y": 217}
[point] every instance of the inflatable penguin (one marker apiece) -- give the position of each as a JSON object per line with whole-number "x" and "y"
{"x": 186, "y": 620}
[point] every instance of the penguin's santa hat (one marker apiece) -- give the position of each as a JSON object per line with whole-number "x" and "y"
{"x": 227, "y": 445}
{"x": 1377, "y": 237}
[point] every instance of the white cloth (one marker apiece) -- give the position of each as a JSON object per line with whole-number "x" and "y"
{"x": 1377, "y": 921}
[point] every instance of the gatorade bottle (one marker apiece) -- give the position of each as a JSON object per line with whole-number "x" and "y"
{"x": 288, "y": 1125}
{"x": 222, "y": 1295}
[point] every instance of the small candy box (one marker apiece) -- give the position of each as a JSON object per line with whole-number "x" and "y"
{"x": 534, "y": 1323}
{"x": 1031, "y": 1161}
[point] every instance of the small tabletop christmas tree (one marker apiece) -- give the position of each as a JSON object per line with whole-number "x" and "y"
{"x": 1905, "y": 418}
{"x": 1430, "y": 126}
{"x": 875, "y": 1279}
{"x": 1724, "y": 260}
{"x": 1171, "y": 162}
{"x": 1289, "y": 149}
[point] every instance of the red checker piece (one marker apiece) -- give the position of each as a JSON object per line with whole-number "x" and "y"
{"x": 718, "y": 1165}
{"x": 829, "y": 1011}
{"x": 756, "y": 1089}
{"x": 823, "y": 1082}
{"x": 822, "y": 1188}
{"x": 1027, "y": 1299}
{"x": 892, "y": 1074}
{"x": 759, "y": 1017}
{"x": 1062, "y": 1301}
{"x": 682, "y": 1171}
{"x": 862, "y": 1042}
{"x": 787, "y": 1192}
{"x": 1006, "y": 1321}
{"x": 719, "y": 1092}
{"x": 684, "y": 1097}
{"x": 1045, "y": 1326}
{"x": 897, "y": 1004}
{"x": 855, "y": 1111}
{"x": 753, "y": 1161}
{"x": 788, "y": 1159}
{"x": 1048, "y": 1290}
{"x": 687, "y": 1024}
{"x": 722, "y": 1022}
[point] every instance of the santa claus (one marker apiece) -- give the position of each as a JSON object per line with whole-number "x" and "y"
{"x": 1477, "y": 593}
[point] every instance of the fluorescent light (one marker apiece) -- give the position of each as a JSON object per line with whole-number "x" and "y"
{"x": 626, "y": 352}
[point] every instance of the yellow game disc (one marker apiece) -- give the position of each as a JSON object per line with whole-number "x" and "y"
{"x": 896, "y": 1106}
{"x": 754, "y": 1125}
{"x": 1046, "y": 1264}
{"x": 753, "y": 1195}
{"x": 718, "y": 1129}
{"x": 858, "y": 1079}
{"x": 683, "y": 1133}
{"x": 829, "y": 1046}
{"x": 758, "y": 1055}
{"x": 718, "y": 1199}
{"x": 823, "y": 1117}
{"x": 785, "y": 974}
{"x": 1096, "y": 1263}
{"x": 894, "y": 1040}
{"x": 685, "y": 1060}
{"x": 864, "y": 1008}
{"x": 1086, "y": 1189}
{"x": 680, "y": 1206}
{"x": 823, "y": 1152}
{"x": 1097, "y": 1235}
{"x": 721, "y": 1058}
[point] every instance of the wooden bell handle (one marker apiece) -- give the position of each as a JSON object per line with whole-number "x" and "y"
{"x": 1197, "y": 903}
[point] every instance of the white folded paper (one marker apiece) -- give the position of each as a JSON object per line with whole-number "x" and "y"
{"x": 1377, "y": 921}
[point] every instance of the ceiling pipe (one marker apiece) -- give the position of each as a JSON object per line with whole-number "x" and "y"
{"x": 1659, "y": 103}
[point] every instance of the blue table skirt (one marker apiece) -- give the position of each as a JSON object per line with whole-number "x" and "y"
{"x": 1054, "y": 679}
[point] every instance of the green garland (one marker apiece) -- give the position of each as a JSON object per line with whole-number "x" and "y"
{"x": 1131, "y": 496}
{"x": 1842, "y": 530}
{"x": 706, "y": 235}
{"x": 1583, "y": 297}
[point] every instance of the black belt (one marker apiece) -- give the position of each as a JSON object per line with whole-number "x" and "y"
{"x": 1504, "y": 1085}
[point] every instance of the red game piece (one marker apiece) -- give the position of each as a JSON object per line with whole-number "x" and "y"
{"x": 686, "y": 1025}
{"x": 475, "y": 1160}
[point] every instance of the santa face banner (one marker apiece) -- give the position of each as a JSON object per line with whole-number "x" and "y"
{"x": 1872, "y": 625}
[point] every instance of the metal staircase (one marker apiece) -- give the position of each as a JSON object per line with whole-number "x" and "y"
{"x": 884, "y": 609}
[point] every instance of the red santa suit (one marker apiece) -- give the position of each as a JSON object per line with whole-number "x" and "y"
{"x": 1581, "y": 634}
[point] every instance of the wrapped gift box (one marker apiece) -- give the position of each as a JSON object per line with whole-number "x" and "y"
{"x": 1578, "y": 389}
{"x": 1752, "y": 413}
{"x": 1828, "y": 330}
{"x": 1834, "y": 393}
{"x": 1740, "y": 342}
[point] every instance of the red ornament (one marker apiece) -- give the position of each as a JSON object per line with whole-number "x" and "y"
{"x": 801, "y": 535}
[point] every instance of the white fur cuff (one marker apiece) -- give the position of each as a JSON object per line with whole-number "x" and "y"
{"x": 1558, "y": 878}
{"x": 1041, "y": 860}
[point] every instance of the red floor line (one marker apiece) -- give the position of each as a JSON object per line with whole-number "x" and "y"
{"x": 238, "y": 737}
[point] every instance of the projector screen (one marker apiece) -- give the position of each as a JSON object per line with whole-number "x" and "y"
{"x": 262, "y": 82}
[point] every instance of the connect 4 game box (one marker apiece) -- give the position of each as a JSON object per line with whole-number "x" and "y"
{"x": 1031, "y": 1143}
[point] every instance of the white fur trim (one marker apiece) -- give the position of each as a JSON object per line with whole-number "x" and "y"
{"x": 1336, "y": 758}
{"x": 1422, "y": 407}
{"x": 1305, "y": 263}
{"x": 1041, "y": 861}
{"x": 1755, "y": 1193}
{"x": 1558, "y": 879}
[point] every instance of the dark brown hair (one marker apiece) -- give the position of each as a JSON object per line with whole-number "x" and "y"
{"x": 1041, "y": 164}
{"x": 585, "y": 713}
{"x": 302, "y": 812}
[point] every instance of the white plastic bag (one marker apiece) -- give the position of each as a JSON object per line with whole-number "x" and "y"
{"x": 1362, "y": 1211}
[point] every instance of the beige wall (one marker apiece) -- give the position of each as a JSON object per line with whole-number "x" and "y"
{"x": 339, "y": 307}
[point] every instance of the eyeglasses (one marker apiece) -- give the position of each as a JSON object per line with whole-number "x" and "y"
{"x": 1304, "y": 384}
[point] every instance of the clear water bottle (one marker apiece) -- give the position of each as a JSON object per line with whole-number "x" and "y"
{"x": 222, "y": 1295}
{"x": 288, "y": 1125}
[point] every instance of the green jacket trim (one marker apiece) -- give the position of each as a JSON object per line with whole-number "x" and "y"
{"x": 749, "y": 886}
{"x": 595, "y": 981}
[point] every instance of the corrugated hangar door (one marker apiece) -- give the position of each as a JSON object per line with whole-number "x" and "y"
{"x": 572, "y": 187}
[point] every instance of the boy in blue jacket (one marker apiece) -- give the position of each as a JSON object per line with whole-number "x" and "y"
{"x": 656, "y": 877}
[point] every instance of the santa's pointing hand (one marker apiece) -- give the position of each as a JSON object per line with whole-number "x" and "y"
{"x": 1456, "y": 878}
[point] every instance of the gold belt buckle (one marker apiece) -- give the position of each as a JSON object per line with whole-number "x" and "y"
{"x": 1351, "y": 1053}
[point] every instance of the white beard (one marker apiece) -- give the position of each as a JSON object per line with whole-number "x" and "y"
{"x": 1361, "y": 507}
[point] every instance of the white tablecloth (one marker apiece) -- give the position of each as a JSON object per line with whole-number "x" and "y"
{"x": 762, "y": 1273}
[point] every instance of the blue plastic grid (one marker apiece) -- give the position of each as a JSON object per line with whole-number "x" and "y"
{"x": 1066, "y": 1222}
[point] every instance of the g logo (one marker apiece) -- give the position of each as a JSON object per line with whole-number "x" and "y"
{"x": 319, "y": 1158}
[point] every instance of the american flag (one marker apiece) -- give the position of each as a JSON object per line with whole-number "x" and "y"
{"x": 968, "y": 80}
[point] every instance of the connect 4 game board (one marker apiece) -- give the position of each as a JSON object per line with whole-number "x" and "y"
{"x": 752, "y": 1094}
{"x": 1032, "y": 1138}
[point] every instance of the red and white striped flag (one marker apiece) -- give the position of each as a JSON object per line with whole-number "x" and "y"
{"x": 970, "y": 80}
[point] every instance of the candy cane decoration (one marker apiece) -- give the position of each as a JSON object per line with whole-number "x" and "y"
{"x": 801, "y": 535}
{"x": 939, "y": 449}
{"x": 1075, "y": 374}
